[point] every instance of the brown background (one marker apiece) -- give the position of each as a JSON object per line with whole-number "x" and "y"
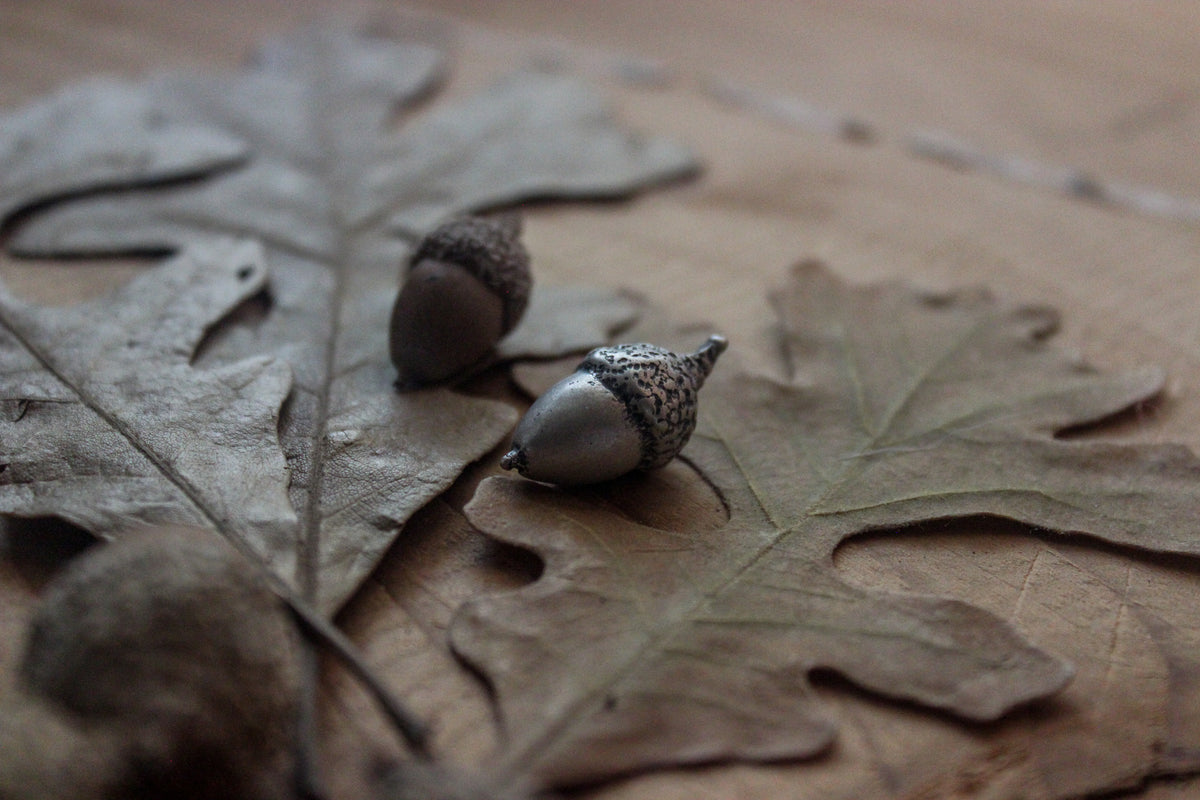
{"x": 1107, "y": 89}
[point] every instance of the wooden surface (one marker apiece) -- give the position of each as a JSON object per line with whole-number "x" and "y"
{"x": 1044, "y": 97}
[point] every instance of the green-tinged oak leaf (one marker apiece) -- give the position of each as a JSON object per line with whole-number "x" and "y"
{"x": 345, "y": 167}
{"x": 641, "y": 646}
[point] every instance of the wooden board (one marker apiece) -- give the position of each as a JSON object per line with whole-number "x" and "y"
{"x": 1039, "y": 97}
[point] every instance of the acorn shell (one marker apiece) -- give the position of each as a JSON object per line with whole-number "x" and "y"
{"x": 467, "y": 286}
{"x": 625, "y": 407}
{"x": 170, "y": 639}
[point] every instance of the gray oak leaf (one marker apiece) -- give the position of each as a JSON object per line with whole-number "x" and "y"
{"x": 643, "y": 645}
{"x": 101, "y": 134}
{"x": 337, "y": 196}
{"x": 107, "y": 424}
{"x": 568, "y": 319}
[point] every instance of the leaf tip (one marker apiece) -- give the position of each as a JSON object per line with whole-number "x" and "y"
{"x": 996, "y": 693}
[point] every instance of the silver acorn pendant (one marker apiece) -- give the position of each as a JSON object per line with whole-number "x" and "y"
{"x": 467, "y": 286}
{"x": 627, "y": 407}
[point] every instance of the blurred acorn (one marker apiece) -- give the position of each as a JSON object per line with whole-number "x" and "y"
{"x": 166, "y": 652}
{"x": 467, "y": 286}
{"x": 627, "y": 407}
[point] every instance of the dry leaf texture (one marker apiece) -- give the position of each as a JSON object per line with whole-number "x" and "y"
{"x": 107, "y": 423}
{"x": 340, "y": 175}
{"x": 101, "y": 134}
{"x": 641, "y": 647}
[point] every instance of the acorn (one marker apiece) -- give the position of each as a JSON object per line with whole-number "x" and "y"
{"x": 165, "y": 651}
{"x": 467, "y": 286}
{"x": 624, "y": 408}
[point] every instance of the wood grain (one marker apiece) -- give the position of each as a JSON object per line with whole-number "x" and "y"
{"x": 1102, "y": 87}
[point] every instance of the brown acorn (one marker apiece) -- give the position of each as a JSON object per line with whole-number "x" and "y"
{"x": 627, "y": 407}
{"x": 166, "y": 652}
{"x": 467, "y": 286}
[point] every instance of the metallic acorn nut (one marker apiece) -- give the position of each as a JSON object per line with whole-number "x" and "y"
{"x": 632, "y": 406}
{"x": 467, "y": 286}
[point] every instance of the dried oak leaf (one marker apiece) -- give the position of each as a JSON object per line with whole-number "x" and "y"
{"x": 340, "y": 176}
{"x": 642, "y": 647}
{"x": 96, "y": 135}
{"x": 107, "y": 423}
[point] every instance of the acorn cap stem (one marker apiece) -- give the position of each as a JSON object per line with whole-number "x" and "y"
{"x": 705, "y": 357}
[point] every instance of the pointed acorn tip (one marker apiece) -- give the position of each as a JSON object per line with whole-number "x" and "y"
{"x": 513, "y": 459}
{"x": 705, "y": 357}
{"x": 717, "y": 343}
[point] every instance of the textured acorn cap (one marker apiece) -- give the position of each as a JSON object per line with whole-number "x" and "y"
{"x": 659, "y": 389}
{"x": 489, "y": 248}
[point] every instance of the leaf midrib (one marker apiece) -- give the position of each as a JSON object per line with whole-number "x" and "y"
{"x": 311, "y": 518}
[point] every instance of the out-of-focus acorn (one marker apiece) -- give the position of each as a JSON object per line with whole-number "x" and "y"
{"x": 632, "y": 406}
{"x": 423, "y": 780}
{"x": 467, "y": 286}
{"x": 167, "y": 652}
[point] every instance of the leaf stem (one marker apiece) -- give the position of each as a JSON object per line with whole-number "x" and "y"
{"x": 411, "y": 728}
{"x": 309, "y": 785}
